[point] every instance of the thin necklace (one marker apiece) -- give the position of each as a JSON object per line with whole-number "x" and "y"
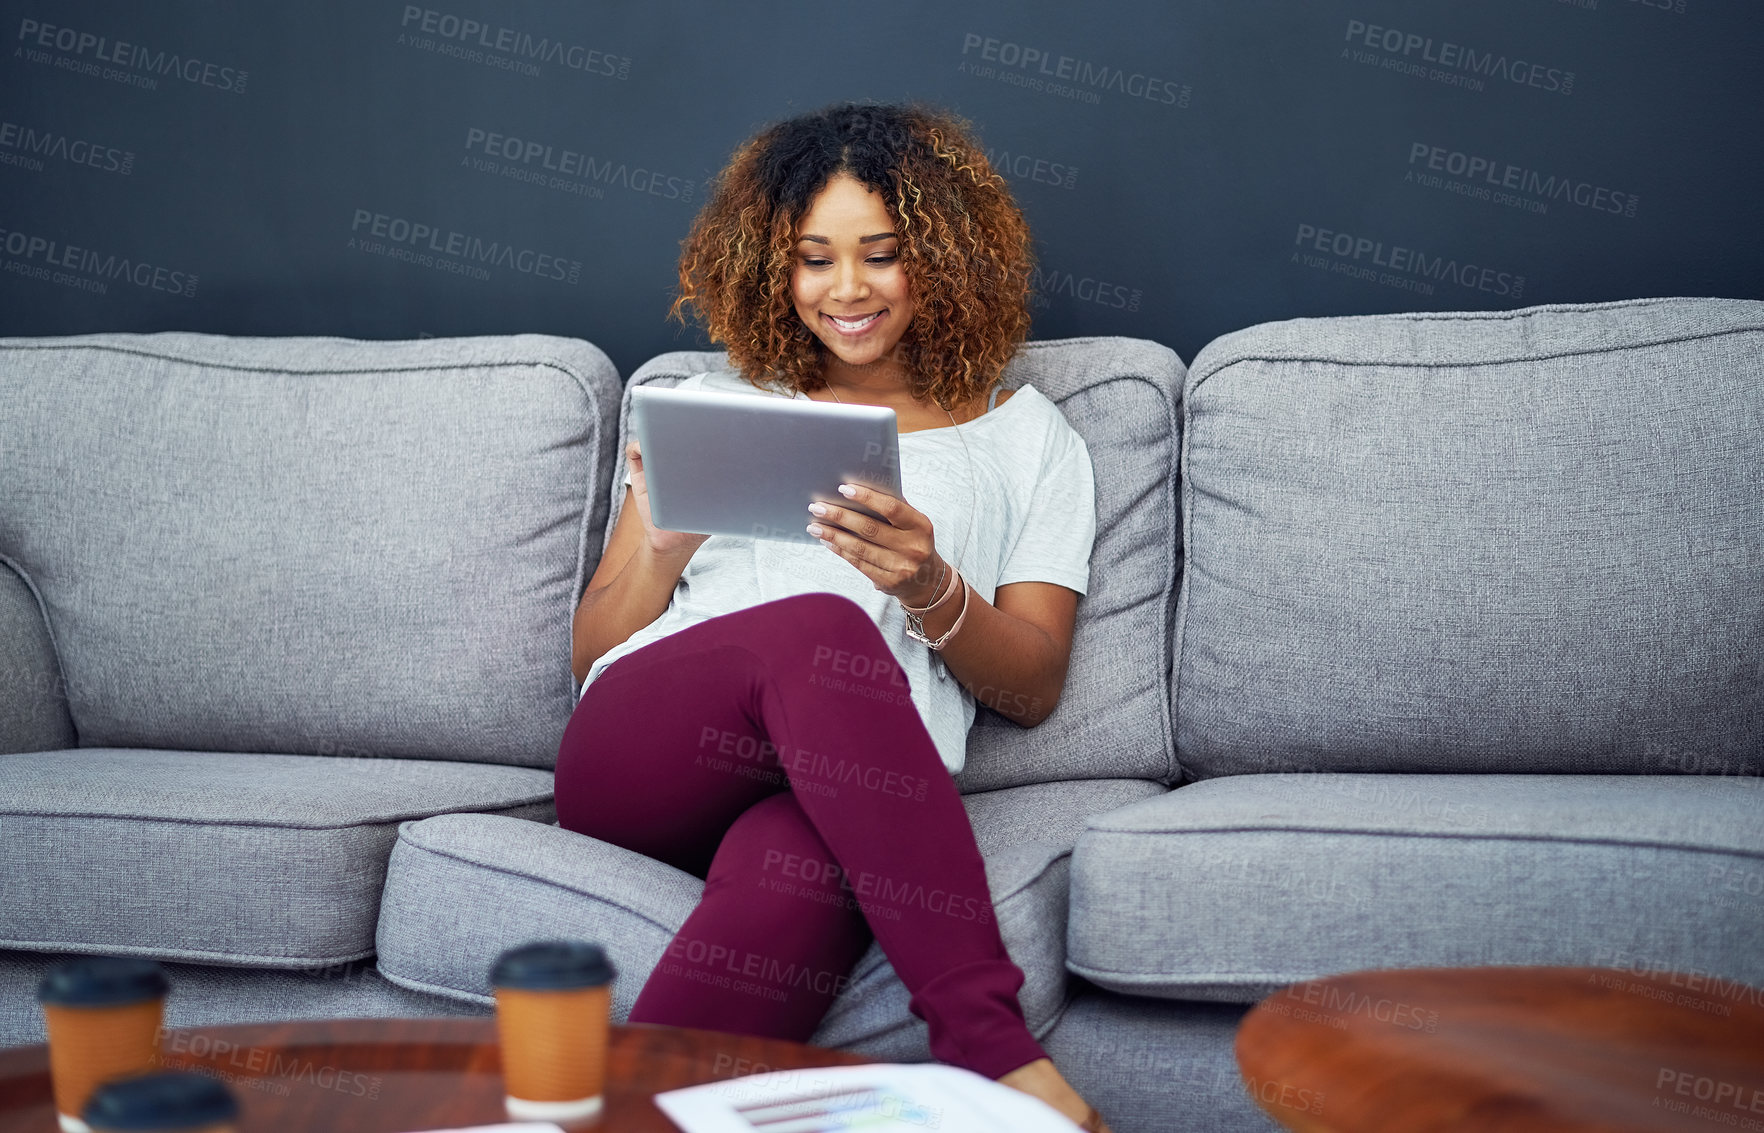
{"x": 967, "y": 456}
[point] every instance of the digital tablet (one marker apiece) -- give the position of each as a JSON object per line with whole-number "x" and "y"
{"x": 719, "y": 463}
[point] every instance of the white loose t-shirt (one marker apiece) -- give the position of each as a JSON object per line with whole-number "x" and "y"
{"x": 1036, "y": 522}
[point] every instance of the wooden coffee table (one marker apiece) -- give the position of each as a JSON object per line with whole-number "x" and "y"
{"x": 1508, "y": 1049}
{"x": 398, "y": 1075}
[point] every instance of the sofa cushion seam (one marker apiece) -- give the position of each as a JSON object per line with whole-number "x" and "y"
{"x": 1143, "y": 977}
{"x": 182, "y": 955}
{"x": 1215, "y": 368}
{"x": 1438, "y": 835}
{"x": 525, "y": 876}
{"x": 363, "y": 824}
{"x": 423, "y": 987}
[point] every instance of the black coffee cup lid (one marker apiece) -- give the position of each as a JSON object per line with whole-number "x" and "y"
{"x": 103, "y": 981}
{"x": 178, "y": 1099}
{"x": 550, "y": 965}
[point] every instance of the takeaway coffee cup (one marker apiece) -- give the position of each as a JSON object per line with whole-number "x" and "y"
{"x": 552, "y": 999}
{"x": 103, "y": 1014}
{"x": 170, "y": 1102}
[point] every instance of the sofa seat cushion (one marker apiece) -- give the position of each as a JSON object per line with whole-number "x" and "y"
{"x": 264, "y": 860}
{"x": 213, "y": 995}
{"x": 1229, "y": 888}
{"x": 462, "y": 888}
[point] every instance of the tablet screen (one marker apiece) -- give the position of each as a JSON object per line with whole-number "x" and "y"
{"x": 719, "y": 463}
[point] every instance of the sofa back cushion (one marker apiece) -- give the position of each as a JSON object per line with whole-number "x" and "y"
{"x": 33, "y": 699}
{"x": 309, "y": 545}
{"x": 1120, "y": 394}
{"x": 1526, "y": 540}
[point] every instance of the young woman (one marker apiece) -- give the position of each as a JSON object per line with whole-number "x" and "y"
{"x": 782, "y": 719}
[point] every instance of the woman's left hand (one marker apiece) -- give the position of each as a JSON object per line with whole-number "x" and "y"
{"x": 897, "y": 553}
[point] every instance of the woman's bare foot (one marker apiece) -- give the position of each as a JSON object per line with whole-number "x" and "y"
{"x": 1039, "y": 1079}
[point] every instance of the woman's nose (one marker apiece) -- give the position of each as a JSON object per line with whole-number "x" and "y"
{"x": 848, "y": 285}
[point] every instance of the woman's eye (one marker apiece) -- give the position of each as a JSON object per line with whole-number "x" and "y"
{"x": 877, "y": 261}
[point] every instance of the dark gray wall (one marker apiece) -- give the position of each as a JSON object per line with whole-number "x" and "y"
{"x": 389, "y": 170}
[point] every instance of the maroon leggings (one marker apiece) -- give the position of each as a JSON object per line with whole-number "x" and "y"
{"x": 748, "y": 750}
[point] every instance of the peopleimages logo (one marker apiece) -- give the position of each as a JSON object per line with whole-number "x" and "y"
{"x": 1046, "y": 282}
{"x": 1454, "y": 64}
{"x": 558, "y": 168}
{"x": 396, "y": 237}
{"x": 32, "y": 145}
{"x": 1362, "y": 257}
{"x": 1674, "y": 6}
{"x": 447, "y": 34}
{"x": 1023, "y": 167}
{"x": 36, "y": 35}
{"x": 1504, "y": 183}
{"x": 85, "y": 269}
{"x": 1034, "y": 68}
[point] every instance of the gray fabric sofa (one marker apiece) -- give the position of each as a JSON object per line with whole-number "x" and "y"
{"x": 1411, "y": 640}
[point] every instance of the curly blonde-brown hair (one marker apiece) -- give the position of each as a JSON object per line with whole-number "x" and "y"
{"x": 964, "y": 246}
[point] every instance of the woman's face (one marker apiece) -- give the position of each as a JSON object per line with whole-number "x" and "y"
{"x": 848, "y": 285}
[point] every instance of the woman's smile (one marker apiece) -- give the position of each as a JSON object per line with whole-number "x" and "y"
{"x": 854, "y": 325}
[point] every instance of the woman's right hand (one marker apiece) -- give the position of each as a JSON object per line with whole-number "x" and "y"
{"x": 659, "y": 539}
